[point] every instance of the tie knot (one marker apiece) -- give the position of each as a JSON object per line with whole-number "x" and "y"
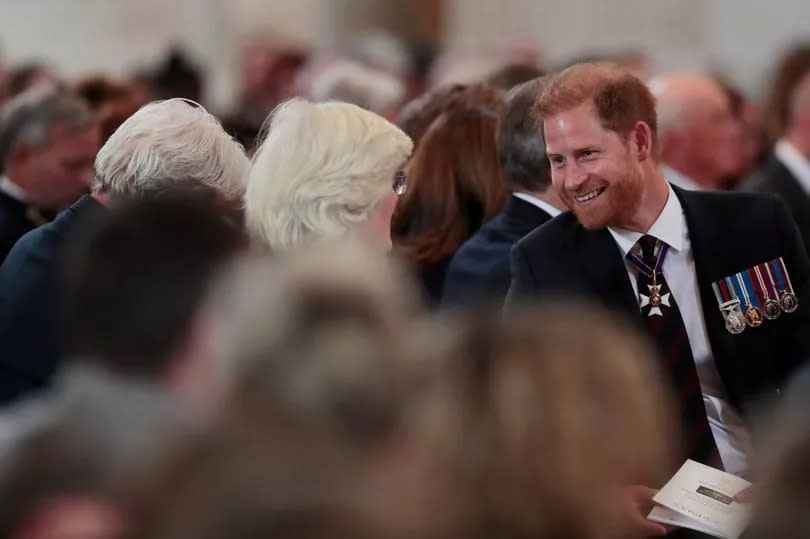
{"x": 648, "y": 244}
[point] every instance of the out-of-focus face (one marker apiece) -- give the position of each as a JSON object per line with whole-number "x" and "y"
{"x": 61, "y": 170}
{"x": 592, "y": 168}
{"x": 714, "y": 135}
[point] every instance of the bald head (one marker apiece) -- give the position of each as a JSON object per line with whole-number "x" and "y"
{"x": 698, "y": 132}
{"x": 683, "y": 99}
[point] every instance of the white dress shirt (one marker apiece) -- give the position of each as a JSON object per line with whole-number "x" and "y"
{"x": 796, "y": 163}
{"x": 12, "y": 189}
{"x": 676, "y": 178}
{"x": 542, "y": 204}
{"x": 728, "y": 429}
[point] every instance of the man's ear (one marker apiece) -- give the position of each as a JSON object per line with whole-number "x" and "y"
{"x": 641, "y": 138}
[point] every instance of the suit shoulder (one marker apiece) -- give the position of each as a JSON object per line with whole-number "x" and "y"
{"x": 763, "y": 178}
{"x": 553, "y": 235}
{"x": 735, "y": 202}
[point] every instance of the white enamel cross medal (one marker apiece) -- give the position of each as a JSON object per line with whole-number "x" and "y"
{"x": 655, "y": 300}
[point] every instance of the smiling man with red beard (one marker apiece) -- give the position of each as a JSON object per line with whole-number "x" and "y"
{"x": 717, "y": 280}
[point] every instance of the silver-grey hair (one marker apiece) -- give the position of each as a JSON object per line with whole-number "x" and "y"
{"x": 169, "y": 145}
{"x": 28, "y": 117}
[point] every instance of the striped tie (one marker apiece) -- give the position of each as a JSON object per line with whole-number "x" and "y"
{"x": 665, "y": 326}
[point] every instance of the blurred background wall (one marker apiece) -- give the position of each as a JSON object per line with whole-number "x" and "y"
{"x": 80, "y": 37}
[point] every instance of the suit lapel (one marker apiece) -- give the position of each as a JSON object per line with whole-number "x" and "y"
{"x": 705, "y": 239}
{"x": 602, "y": 262}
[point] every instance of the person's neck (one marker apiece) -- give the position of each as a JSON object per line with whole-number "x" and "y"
{"x": 548, "y": 195}
{"x": 101, "y": 198}
{"x": 652, "y": 203}
{"x": 800, "y": 141}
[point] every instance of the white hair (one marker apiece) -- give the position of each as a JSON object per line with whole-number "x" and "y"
{"x": 322, "y": 168}
{"x": 171, "y": 144}
{"x": 354, "y": 83}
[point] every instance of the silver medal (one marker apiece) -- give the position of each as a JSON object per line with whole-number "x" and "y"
{"x": 735, "y": 322}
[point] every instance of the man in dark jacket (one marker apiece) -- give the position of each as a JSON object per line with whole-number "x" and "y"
{"x": 47, "y": 145}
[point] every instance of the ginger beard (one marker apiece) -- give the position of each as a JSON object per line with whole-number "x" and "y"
{"x": 610, "y": 202}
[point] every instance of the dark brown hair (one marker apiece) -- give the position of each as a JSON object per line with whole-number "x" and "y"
{"x": 621, "y": 99}
{"x": 456, "y": 185}
{"x": 509, "y": 76}
{"x": 417, "y": 115}
{"x": 792, "y": 67}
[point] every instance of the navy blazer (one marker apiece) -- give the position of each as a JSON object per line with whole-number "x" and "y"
{"x": 480, "y": 269}
{"x": 30, "y": 302}
{"x": 14, "y": 223}
{"x": 729, "y": 233}
{"x": 775, "y": 177}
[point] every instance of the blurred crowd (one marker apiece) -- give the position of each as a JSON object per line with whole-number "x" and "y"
{"x": 287, "y": 319}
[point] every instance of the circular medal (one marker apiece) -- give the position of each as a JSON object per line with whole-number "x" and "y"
{"x": 655, "y": 300}
{"x": 735, "y": 322}
{"x": 753, "y": 316}
{"x": 789, "y": 302}
{"x": 771, "y": 309}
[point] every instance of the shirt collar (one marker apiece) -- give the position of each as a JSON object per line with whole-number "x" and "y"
{"x": 12, "y": 189}
{"x": 669, "y": 227}
{"x": 681, "y": 180}
{"x": 542, "y": 204}
{"x": 796, "y": 163}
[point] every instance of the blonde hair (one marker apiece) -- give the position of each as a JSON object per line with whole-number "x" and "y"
{"x": 319, "y": 171}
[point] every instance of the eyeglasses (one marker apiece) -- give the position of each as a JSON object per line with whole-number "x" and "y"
{"x": 401, "y": 182}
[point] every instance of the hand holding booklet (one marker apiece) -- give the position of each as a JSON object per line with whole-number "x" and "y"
{"x": 701, "y": 498}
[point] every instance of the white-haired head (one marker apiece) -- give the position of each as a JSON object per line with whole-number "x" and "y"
{"x": 322, "y": 171}
{"x": 354, "y": 83}
{"x": 171, "y": 145}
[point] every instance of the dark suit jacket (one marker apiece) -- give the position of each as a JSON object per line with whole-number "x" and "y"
{"x": 480, "y": 269}
{"x": 729, "y": 232}
{"x": 431, "y": 277}
{"x": 14, "y": 223}
{"x": 774, "y": 177}
{"x": 30, "y": 302}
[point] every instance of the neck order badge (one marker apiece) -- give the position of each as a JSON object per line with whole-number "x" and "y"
{"x": 656, "y": 299}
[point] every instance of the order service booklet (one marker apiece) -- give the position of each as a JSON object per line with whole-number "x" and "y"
{"x": 702, "y": 498}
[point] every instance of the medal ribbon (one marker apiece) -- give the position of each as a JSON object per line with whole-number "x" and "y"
{"x": 761, "y": 282}
{"x": 732, "y": 292}
{"x": 724, "y": 293}
{"x": 767, "y": 266}
{"x": 785, "y": 273}
{"x": 777, "y": 271}
{"x": 741, "y": 290}
{"x": 644, "y": 268}
{"x": 718, "y": 293}
{"x": 750, "y": 286}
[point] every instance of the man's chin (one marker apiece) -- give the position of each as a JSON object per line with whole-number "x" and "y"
{"x": 591, "y": 221}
